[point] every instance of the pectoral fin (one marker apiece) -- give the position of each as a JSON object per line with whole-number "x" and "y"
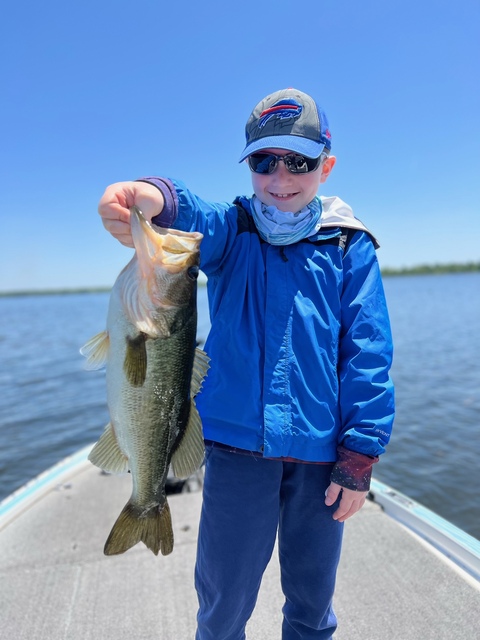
{"x": 107, "y": 454}
{"x": 96, "y": 351}
{"x": 135, "y": 363}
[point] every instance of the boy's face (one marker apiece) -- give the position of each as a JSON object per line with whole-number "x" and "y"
{"x": 289, "y": 191}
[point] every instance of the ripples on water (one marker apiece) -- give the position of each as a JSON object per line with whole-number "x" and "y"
{"x": 50, "y": 406}
{"x": 435, "y": 447}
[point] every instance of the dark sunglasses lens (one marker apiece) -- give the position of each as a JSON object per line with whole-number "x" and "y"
{"x": 262, "y": 162}
{"x": 300, "y": 164}
{"x": 266, "y": 163}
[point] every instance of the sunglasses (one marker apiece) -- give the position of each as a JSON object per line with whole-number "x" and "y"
{"x": 266, "y": 163}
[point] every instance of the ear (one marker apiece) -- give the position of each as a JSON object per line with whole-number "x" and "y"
{"x": 327, "y": 167}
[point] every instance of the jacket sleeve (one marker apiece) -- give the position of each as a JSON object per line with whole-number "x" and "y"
{"x": 365, "y": 354}
{"x": 187, "y": 212}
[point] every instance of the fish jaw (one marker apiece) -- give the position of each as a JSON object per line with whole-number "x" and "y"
{"x": 160, "y": 277}
{"x": 155, "y": 247}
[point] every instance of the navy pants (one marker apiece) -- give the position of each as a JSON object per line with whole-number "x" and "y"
{"x": 245, "y": 500}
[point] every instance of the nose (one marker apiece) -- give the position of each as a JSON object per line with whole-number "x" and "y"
{"x": 281, "y": 168}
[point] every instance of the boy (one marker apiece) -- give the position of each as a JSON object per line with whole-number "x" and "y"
{"x": 298, "y": 403}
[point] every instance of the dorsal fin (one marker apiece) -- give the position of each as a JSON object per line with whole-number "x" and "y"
{"x": 200, "y": 368}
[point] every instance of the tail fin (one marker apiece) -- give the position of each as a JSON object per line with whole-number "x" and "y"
{"x": 153, "y": 528}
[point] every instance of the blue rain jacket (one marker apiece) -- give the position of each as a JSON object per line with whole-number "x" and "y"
{"x": 300, "y": 343}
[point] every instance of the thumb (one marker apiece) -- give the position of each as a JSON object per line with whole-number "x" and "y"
{"x": 332, "y": 493}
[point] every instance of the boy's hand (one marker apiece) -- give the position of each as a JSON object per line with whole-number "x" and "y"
{"x": 114, "y": 207}
{"x": 351, "y": 502}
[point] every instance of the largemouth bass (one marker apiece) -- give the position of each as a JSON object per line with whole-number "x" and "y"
{"x": 154, "y": 372}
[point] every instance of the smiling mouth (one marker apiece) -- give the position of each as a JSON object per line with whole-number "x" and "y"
{"x": 282, "y": 195}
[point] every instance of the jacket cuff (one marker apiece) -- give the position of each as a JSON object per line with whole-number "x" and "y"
{"x": 168, "y": 216}
{"x": 353, "y": 470}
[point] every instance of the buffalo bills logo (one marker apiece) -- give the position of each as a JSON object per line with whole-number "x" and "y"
{"x": 281, "y": 110}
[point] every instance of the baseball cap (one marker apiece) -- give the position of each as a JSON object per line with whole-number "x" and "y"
{"x": 288, "y": 119}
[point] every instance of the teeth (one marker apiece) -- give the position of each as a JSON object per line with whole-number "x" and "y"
{"x": 282, "y": 195}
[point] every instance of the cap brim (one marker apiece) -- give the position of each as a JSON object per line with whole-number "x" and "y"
{"x": 297, "y": 144}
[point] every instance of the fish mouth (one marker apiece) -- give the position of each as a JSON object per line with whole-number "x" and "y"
{"x": 171, "y": 249}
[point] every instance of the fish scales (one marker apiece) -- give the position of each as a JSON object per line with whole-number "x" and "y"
{"x": 154, "y": 372}
{"x": 164, "y": 399}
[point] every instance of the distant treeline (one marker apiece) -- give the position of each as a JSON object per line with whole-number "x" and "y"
{"x": 55, "y": 292}
{"x": 425, "y": 269}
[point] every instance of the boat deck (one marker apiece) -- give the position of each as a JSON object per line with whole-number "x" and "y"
{"x": 55, "y": 582}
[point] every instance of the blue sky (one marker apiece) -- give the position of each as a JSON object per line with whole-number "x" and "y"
{"x": 103, "y": 91}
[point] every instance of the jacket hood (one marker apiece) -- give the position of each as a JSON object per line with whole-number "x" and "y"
{"x": 337, "y": 213}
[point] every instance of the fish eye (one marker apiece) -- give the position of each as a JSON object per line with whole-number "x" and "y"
{"x": 192, "y": 272}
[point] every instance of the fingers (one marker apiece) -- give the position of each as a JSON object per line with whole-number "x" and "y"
{"x": 350, "y": 503}
{"x": 119, "y": 230}
{"x": 114, "y": 207}
{"x": 115, "y": 213}
{"x": 348, "y": 506}
{"x": 117, "y": 199}
{"x": 332, "y": 493}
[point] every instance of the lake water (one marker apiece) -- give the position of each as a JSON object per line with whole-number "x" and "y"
{"x": 50, "y": 406}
